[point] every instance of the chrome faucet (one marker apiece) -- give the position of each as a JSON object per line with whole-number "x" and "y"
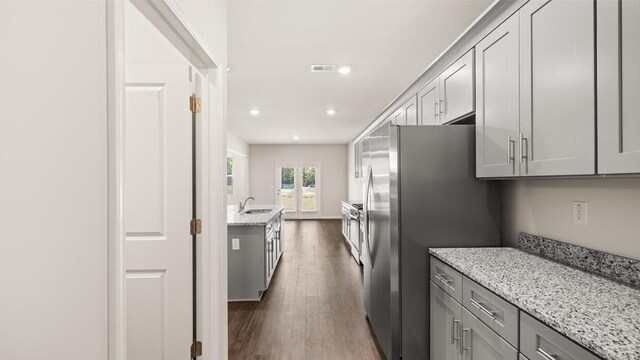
{"x": 244, "y": 203}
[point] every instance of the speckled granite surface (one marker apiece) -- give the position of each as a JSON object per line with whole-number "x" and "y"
{"x": 600, "y": 314}
{"x": 238, "y": 219}
{"x": 619, "y": 268}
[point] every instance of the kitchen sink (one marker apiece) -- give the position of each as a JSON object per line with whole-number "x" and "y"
{"x": 256, "y": 211}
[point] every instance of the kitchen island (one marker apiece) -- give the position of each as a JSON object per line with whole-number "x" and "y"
{"x": 255, "y": 244}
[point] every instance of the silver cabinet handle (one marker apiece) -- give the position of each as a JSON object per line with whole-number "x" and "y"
{"x": 442, "y": 278}
{"x": 464, "y": 346}
{"x": 510, "y": 152}
{"x": 482, "y": 308}
{"x": 443, "y": 106}
{"x": 435, "y": 108}
{"x": 455, "y": 334}
{"x": 524, "y": 148}
{"x": 546, "y": 355}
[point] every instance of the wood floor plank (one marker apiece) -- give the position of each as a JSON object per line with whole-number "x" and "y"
{"x": 313, "y": 308}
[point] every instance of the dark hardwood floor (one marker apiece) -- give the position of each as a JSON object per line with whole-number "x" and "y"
{"x": 313, "y": 308}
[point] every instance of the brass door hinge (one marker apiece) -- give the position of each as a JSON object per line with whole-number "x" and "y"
{"x": 196, "y": 348}
{"x": 196, "y": 226}
{"x": 195, "y": 105}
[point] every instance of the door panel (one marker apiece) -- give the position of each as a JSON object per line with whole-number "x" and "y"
{"x": 457, "y": 89}
{"x": 618, "y": 87}
{"x": 428, "y": 100}
{"x": 287, "y": 193}
{"x": 445, "y": 325}
{"x": 479, "y": 342}
{"x": 498, "y": 110}
{"x": 411, "y": 111}
{"x": 557, "y": 109}
{"x": 157, "y": 205}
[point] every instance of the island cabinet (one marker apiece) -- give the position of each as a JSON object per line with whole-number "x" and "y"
{"x": 253, "y": 259}
{"x": 618, "y": 86}
{"x": 536, "y": 92}
{"x": 469, "y": 322}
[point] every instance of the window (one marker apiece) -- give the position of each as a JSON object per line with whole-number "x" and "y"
{"x": 309, "y": 194}
{"x": 229, "y": 176}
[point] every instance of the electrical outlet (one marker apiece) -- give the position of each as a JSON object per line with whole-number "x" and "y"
{"x": 580, "y": 212}
{"x": 235, "y": 244}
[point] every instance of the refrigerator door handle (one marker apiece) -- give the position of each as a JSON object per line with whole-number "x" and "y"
{"x": 366, "y": 209}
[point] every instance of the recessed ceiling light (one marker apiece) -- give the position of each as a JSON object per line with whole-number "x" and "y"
{"x": 331, "y": 112}
{"x": 344, "y": 70}
{"x": 228, "y": 68}
{"x": 296, "y": 138}
{"x": 254, "y": 112}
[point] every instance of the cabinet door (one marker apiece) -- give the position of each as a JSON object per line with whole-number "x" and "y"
{"x": 411, "y": 111}
{"x": 457, "y": 89}
{"x": 445, "y": 325}
{"x": 398, "y": 117}
{"x": 479, "y": 342}
{"x": 497, "y": 101}
{"x": 428, "y": 104}
{"x": 557, "y": 87}
{"x": 618, "y": 87}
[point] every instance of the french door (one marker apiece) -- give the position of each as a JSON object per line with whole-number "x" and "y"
{"x": 298, "y": 189}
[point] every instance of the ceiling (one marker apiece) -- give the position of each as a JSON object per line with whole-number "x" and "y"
{"x": 272, "y": 45}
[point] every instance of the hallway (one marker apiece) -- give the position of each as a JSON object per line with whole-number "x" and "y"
{"x": 313, "y": 308}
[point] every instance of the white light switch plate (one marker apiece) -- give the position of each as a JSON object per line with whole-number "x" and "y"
{"x": 235, "y": 244}
{"x": 580, "y": 212}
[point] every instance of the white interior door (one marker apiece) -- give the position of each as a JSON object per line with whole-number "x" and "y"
{"x": 158, "y": 202}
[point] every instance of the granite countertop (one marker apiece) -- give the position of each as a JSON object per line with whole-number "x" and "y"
{"x": 600, "y": 314}
{"x": 236, "y": 219}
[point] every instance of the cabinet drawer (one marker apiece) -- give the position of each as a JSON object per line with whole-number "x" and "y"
{"x": 447, "y": 278}
{"x": 479, "y": 342}
{"x": 540, "y": 342}
{"x": 498, "y": 314}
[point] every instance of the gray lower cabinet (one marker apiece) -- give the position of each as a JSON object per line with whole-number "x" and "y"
{"x": 540, "y": 342}
{"x": 557, "y": 88}
{"x": 479, "y": 342}
{"x": 445, "y": 327}
{"x": 618, "y": 87}
{"x": 251, "y": 267}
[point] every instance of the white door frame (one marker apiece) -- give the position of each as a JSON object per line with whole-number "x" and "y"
{"x": 212, "y": 262}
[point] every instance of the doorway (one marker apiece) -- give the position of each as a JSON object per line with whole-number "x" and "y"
{"x": 166, "y": 196}
{"x": 298, "y": 189}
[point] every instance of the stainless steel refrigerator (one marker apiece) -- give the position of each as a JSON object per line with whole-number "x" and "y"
{"x": 420, "y": 191}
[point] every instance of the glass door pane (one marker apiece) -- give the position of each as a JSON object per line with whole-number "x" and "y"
{"x": 287, "y": 191}
{"x": 309, "y": 189}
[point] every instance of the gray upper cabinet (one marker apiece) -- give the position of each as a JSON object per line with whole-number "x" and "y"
{"x": 557, "y": 87}
{"x": 618, "y": 87}
{"x": 445, "y": 325}
{"x": 497, "y": 101}
{"x": 479, "y": 342}
{"x": 428, "y": 101}
{"x": 456, "y": 89}
{"x": 407, "y": 114}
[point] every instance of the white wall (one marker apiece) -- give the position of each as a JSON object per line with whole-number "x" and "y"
{"x": 238, "y": 150}
{"x": 355, "y": 185}
{"x": 53, "y": 182}
{"x": 544, "y": 207}
{"x": 333, "y": 172}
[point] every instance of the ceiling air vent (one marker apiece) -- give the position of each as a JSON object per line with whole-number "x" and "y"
{"x": 323, "y": 68}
